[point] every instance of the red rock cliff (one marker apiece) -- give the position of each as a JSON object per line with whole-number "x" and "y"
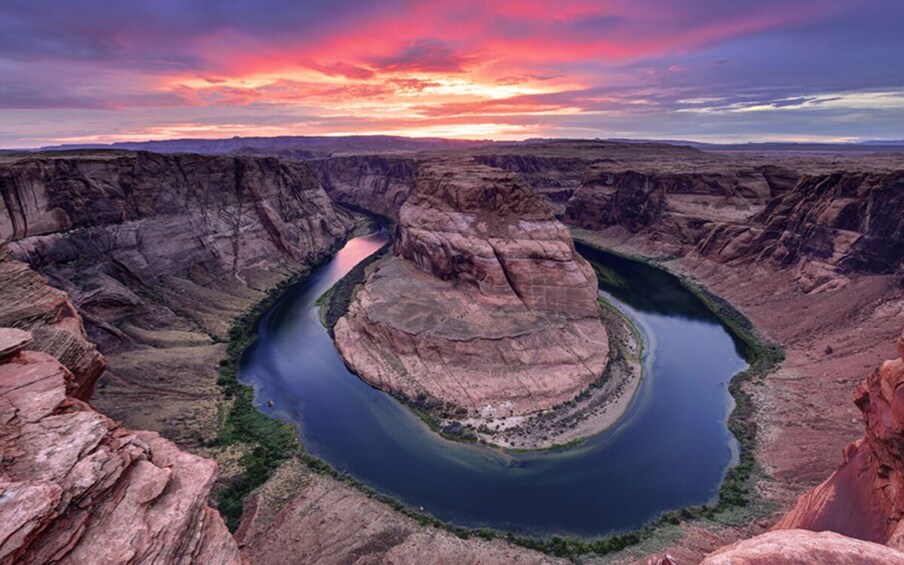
{"x": 28, "y": 302}
{"x": 864, "y": 498}
{"x": 76, "y": 487}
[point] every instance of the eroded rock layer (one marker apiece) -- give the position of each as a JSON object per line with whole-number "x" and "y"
{"x": 76, "y": 487}
{"x": 864, "y": 498}
{"x": 28, "y": 303}
{"x": 378, "y": 183}
{"x": 485, "y": 305}
{"x": 852, "y": 221}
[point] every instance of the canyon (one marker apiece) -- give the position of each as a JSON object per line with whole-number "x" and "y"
{"x": 159, "y": 254}
{"x": 148, "y": 259}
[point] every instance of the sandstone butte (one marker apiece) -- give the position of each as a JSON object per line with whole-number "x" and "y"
{"x": 484, "y": 303}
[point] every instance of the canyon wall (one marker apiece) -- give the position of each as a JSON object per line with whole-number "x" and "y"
{"x": 484, "y": 305}
{"x": 377, "y": 183}
{"x": 845, "y": 220}
{"x": 822, "y": 223}
{"x": 159, "y": 254}
{"x": 555, "y": 178}
{"x": 672, "y": 204}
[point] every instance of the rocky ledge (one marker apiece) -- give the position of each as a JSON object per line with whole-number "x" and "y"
{"x": 484, "y": 308}
{"x": 30, "y": 304}
{"x": 76, "y": 487}
{"x": 864, "y": 498}
{"x": 799, "y": 547}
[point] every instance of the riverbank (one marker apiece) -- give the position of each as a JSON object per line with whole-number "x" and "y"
{"x": 803, "y": 413}
{"x": 763, "y": 356}
{"x": 559, "y": 546}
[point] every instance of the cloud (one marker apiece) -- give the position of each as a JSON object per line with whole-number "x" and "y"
{"x": 642, "y": 68}
{"x": 424, "y": 55}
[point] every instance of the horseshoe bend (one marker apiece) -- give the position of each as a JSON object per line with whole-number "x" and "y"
{"x": 425, "y": 283}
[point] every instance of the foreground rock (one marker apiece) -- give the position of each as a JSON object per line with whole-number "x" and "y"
{"x": 798, "y": 547}
{"x": 864, "y": 498}
{"x": 484, "y": 307}
{"x": 76, "y": 487}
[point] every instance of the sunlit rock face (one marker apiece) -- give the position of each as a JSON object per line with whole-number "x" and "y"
{"x": 484, "y": 304}
{"x": 799, "y": 547}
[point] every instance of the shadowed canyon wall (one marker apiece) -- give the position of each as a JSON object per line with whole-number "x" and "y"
{"x": 160, "y": 253}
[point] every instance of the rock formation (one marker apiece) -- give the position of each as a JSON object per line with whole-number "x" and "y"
{"x": 485, "y": 305}
{"x": 28, "y": 303}
{"x": 849, "y": 221}
{"x": 147, "y": 216}
{"x": 330, "y": 522}
{"x": 554, "y": 177}
{"x": 76, "y": 487}
{"x": 799, "y": 547}
{"x": 864, "y": 498}
{"x": 676, "y": 202}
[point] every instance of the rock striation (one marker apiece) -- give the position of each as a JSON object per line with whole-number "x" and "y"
{"x": 377, "y": 183}
{"x": 864, "y": 498}
{"x": 843, "y": 220}
{"x": 554, "y": 177}
{"x": 148, "y": 216}
{"x": 29, "y": 303}
{"x": 799, "y": 547}
{"x": 484, "y": 304}
{"x": 76, "y": 487}
{"x": 676, "y": 203}
{"x": 823, "y": 221}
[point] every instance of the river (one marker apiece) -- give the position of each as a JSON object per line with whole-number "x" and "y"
{"x": 670, "y": 450}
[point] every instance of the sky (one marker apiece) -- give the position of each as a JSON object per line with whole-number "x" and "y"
{"x": 79, "y": 71}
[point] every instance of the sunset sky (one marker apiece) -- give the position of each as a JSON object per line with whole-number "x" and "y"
{"x": 712, "y": 70}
